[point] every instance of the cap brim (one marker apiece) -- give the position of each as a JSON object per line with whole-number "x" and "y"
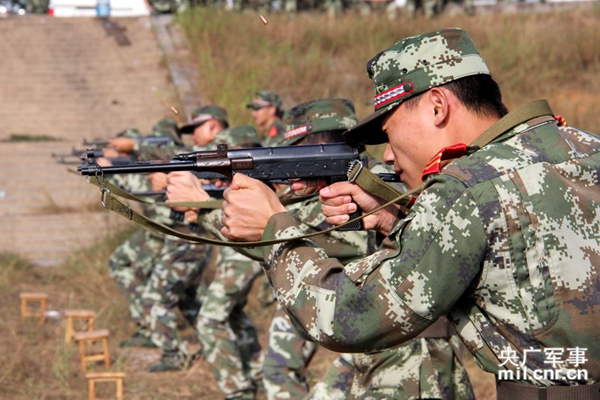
{"x": 368, "y": 131}
{"x": 188, "y": 128}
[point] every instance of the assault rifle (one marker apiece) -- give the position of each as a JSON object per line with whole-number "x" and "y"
{"x": 211, "y": 189}
{"x": 328, "y": 162}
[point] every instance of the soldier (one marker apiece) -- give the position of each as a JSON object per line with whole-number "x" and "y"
{"x": 502, "y": 238}
{"x": 206, "y": 122}
{"x": 229, "y": 337}
{"x": 267, "y": 110}
{"x": 180, "y": 265}
{"x": 397, "y": 373}
{"x": 132, "y": 263}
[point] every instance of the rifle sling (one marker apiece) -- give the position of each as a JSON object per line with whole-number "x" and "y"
{"x": 361, "y": 176}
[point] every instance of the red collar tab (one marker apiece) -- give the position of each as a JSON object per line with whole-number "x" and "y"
{"x": 273, "y": 131}
{"x": 443, "y": 158}
{"x": 560, "y": 121}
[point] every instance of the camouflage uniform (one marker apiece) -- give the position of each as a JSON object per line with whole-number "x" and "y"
{"x": 405, "y": 372}
{"x": 131, "y": 263}
{"x": 229, "y": 338}
{"x": 504, "y": 241}
{"x": 422, "y": 368}
{"x": 175, "y": 279}
{"x": 172, "y": 285}
{"x": 171, "y": 272}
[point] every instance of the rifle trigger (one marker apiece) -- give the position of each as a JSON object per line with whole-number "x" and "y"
{"x": 352, "y": 174}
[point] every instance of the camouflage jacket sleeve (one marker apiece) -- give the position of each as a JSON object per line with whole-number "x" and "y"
{"x": 389, "y": 296}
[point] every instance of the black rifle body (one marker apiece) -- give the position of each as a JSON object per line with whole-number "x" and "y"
{"x": 328, "y": 162}
{"x": 323, "y": 161}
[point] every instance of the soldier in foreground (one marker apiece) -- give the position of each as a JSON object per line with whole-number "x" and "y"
{"x": 502, "y": 238}
{"x": 425, "y": 367}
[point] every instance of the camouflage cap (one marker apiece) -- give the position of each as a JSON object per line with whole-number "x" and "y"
{"x": 239, "y": 136}
{"x": 265, "y": 98}
{"x": 166, "y": 127}
{"x": 317, "y": 116}
{"x": 203, "y": 114}
{"x": 130, "y": 133}
{"x": 412, "y": 66}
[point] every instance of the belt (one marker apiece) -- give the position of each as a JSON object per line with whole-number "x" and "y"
{"x": 506, "y": 390}
{"x": 439, "y": 329}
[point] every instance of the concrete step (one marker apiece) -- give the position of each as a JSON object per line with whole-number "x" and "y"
{"x": 70, "y": 79}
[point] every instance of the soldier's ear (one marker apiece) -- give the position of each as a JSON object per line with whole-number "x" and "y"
{"x": 439, "y": 105}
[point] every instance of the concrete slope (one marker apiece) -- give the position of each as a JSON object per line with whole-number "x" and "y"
{"x": 69, "y": 79}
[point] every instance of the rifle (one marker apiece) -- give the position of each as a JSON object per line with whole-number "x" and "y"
{"x": 329, "y": 162}
{"x": 211, "y": 189}
{"x": 153, "y": 139}
{"x": 69, "y": 160}
{"x": 66, "y": 159}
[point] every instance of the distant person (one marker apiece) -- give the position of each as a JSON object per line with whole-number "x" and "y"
{"x": 267, "y": 111}
{"x": 205, "y": 124}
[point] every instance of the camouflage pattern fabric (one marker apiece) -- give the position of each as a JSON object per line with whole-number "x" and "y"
{"x": 238, "y": 136}
{"x": 228, "y": 336}
{"x": 274, "y": 134}
{"x": 286, "y": 359}
{"x": 203, "y": 114}
{"x": 492, "y": 242}
{"x": 265, "y": 98}
{"x": 406, "y": 372}
{"x": 171, "y": 268}
{"x": 132, "y": 262}
{"x": 337, "y": 382}
{"x": 288, "y": 354}
{"x": 175, "y": 276}
{"x": 130, "y": 266}
{"x": 317, "y": 116}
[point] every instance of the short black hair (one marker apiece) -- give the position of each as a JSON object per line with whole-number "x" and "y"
{"x": 334, "y": 136}
{"x": 478, "y": 93}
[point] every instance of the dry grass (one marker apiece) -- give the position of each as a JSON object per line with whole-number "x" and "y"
{"x": 35, "y": 363}
{"x": 534, "y": 54}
